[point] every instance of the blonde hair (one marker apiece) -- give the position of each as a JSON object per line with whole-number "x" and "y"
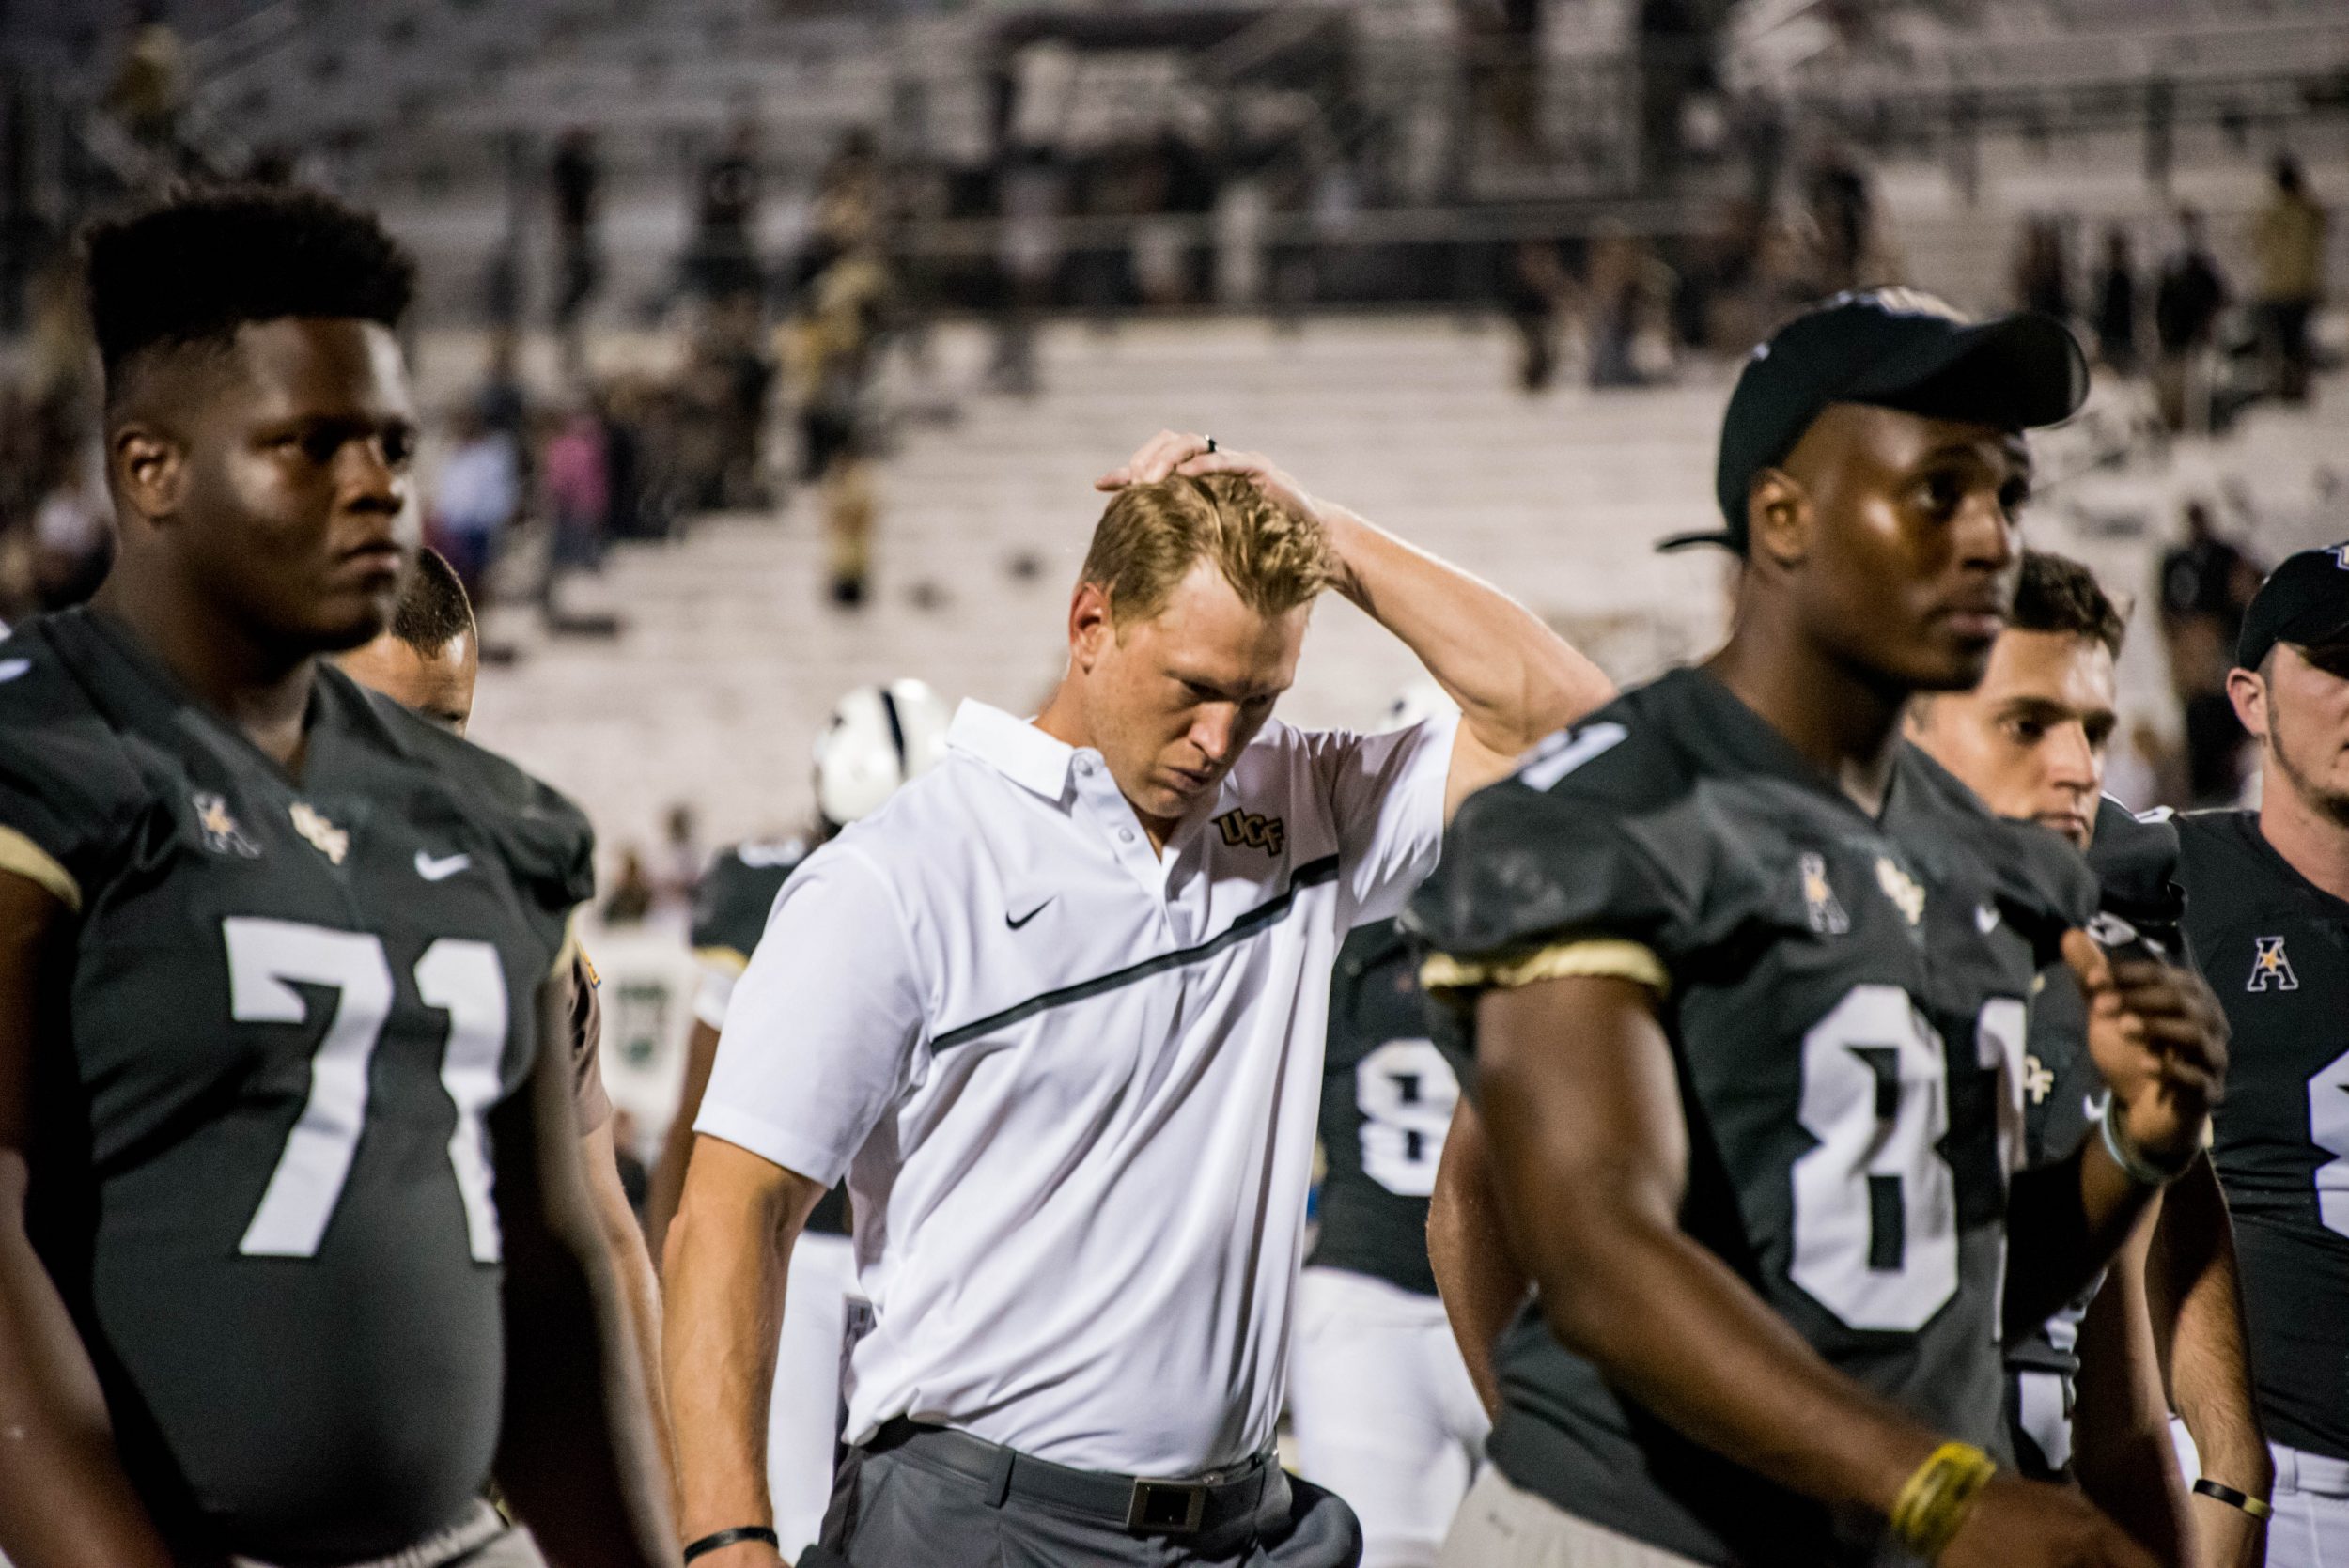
{"x": 1151, "y": 535}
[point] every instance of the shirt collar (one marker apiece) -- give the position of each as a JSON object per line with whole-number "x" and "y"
{"x": 1013, "y": 746}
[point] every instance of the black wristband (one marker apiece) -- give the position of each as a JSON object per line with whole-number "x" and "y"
{"x": 739, "y": 1533}
{"x": 2257, "y": 1508}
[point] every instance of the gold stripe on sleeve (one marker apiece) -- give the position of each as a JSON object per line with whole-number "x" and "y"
{"x": 730, "y": 959}
{"x": 1607, "y": 956}
{"x": 29, "y": 861}
{"x": 568, "y": 950}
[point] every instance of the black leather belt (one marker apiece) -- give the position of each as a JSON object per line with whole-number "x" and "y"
{"x": 1136, "y": 1503}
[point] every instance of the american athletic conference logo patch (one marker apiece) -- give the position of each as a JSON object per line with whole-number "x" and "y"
{"x": 2269, "y": 966}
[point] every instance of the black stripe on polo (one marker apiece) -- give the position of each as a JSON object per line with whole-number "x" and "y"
{"x": 1263, "y": 915}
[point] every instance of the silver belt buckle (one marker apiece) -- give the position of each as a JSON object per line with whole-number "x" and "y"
{"x": 1167, "y": 1507}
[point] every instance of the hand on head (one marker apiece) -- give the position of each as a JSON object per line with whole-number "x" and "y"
{"x": 1170, "y": 454}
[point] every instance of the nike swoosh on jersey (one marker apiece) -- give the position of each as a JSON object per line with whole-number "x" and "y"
{"x": 1016, "y": 922}
{"x": 443, "y": 869}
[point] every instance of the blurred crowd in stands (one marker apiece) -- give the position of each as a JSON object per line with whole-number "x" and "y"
{"x": 534, "y": 479}
{"x": 2206, "y": 361}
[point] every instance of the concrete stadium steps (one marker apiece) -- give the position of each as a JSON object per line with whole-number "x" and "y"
{"x": 731, "y": 657}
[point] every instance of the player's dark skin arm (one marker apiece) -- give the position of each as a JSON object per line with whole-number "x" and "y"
{"x": 1476, "y": 1274}
{"x": 1581, "y": 1107}
{"x": 2120, "y": 1452}
{"x": 2159, "y": 1041}
{"x": 64, "y": 1501}
{"x": 667, "y": 1186}
{"x": 2197, "y": 1310}
{"x": 576, "y": 1457}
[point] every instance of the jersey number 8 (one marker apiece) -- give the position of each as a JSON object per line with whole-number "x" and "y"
{"x": 1405, "y": 1090}
{"x": 1876, "y": 1203}
{"x": 458, "y": 976}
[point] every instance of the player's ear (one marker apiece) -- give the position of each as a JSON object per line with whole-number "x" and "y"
{"x": 149, "y": 468}
{"x": 1090, "y": 628}
{"x": 2248, "y": 690}
{"x": 1778, "y": 518}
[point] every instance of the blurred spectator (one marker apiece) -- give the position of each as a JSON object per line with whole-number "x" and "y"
{"x": 477, "y": 495}
{"x": 576, "y": 475}
{"x": 2116, "y": 306}
{"x": 2041, "y": 272}
{"x": 834, "y": 351}
{"x": 2288, "y": 242}
{"x": 2206, "y": 584}
{"x": 631, "y": 896}
{"x": 682, "y": 857}
{"x": 724, "y": 261}
{"x": 1031, "y": 193}
{"x": 1535, "y": 291}
{"x": 731, "y": 378}
{"x": 73, "y": 534}
{"x": 1844, "y": 213}
{"x": 848, "y": 197}
{"x": 1501, "y": 42}
{"x": 2188, "y": 299}
{"x": 1630, "y": 290}
{"x": 575, "y": 179}
{"x": 502, "y": 402}
{"x": 149, "y": 91}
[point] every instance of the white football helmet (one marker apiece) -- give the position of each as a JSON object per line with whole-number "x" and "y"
{"x": 878, "y": 738}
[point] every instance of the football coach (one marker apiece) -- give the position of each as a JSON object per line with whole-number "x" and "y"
{"x": 1057, "y": 1011}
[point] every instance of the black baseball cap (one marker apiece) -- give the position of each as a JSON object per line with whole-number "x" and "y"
{"x": 1895, "y": 349}
{"x": 2305, "y": 601}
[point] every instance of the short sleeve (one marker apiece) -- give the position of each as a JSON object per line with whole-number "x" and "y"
{"x": 821, "y": 1031}
{"x": 1538, "y": 884}
{"x": 67, "y": 788}
{"x": 1386, "y": 792}
{"x": 591, "y": 1105}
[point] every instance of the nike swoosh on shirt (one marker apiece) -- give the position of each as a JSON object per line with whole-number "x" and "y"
{"x": 440, "y": 869}
{"x": 1017, "y": 923}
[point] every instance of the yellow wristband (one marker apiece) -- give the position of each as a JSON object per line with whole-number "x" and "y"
{"x": 1934, "y": 1502}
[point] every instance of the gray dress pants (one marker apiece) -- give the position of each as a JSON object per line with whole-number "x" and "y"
{"x": 892, "y": 1511}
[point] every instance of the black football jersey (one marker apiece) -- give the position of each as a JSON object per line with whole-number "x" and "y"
{"x": 1847, "y": 1000}
{"x": 261, "y": 1174}
{"x": 2136, "y": 864}
{"x": 730, "y": 908}
{"x": 1386, "y": 1094}
{"x": 2276, "y": 949}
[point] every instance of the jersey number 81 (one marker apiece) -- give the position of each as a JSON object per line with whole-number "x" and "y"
{"x": 1876, "y": 1203}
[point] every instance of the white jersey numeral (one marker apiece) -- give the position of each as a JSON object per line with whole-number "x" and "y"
{"x": 465, "y": 980}
{"x": 1405, "y": 1090}
{"x": 461, "y": 976}
{"x": 263, "y": 956}
{"x": 1876, "y": 1204}
{"x": 2328, "y": 1129}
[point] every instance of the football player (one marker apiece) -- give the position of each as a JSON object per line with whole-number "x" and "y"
{"x": 878, "y": 738}
{"x": 2031, "y": 741}
{"x": 1384, "y": 1411}
{"x": 2267, "y": 912}
{"x": 1746, "y": 980}
{"x": 294, "y": 1252}
{"x": 428, "y": 660}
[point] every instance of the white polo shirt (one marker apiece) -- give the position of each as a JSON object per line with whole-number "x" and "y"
{"x": 1074, "y": 1083}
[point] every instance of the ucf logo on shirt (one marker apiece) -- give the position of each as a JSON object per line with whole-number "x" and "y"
{"x": 1256, "y": 833}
